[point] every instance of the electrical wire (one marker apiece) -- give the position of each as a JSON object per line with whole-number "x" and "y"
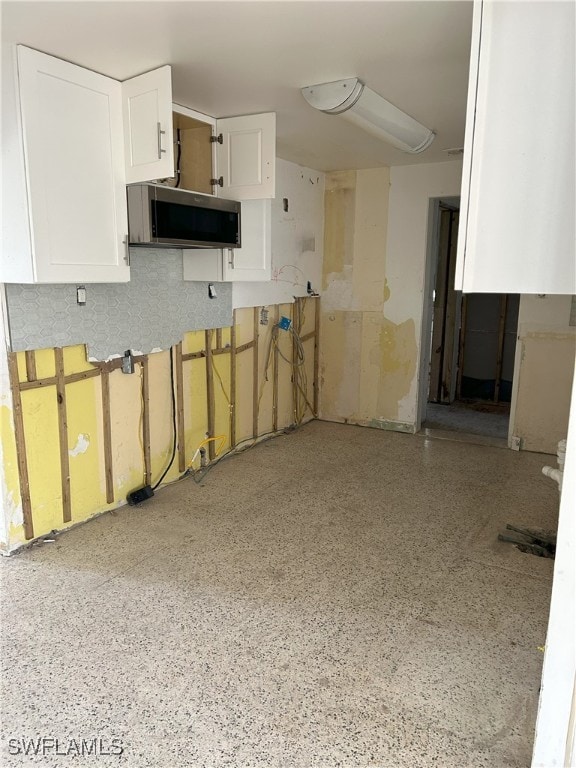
{"x": 217, "y": 372}
{"x": 173, "y": 421}
{"x": 222, "y": 438}
{"x": 198, "y": 475}
{"x": 140, "y": 421}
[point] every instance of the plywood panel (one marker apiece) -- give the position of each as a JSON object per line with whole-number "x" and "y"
{"x": 544, "y": 387}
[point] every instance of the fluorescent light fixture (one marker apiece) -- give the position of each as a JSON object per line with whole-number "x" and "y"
{"x": 362, "y": 106}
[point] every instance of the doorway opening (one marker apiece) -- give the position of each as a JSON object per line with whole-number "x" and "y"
{"x": 472, "y": 341}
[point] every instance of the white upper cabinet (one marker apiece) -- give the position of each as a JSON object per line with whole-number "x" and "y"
{"x": 73, "y": 158}
{"x": 76, "y": 137}
{"x": 147, "y": 108}
{"x": 518, "y": 205}
{"x": 246, "y": 156}
{"x": 253, "y": 261}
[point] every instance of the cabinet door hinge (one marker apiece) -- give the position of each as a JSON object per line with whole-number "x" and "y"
{"x": 217, "y": 182}
{"x": 219, "y": 139}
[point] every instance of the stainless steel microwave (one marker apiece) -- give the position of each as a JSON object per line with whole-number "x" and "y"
{"x": 170, "y": 217}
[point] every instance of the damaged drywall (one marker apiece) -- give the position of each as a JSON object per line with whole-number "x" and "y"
{"x": 376, "y": 228}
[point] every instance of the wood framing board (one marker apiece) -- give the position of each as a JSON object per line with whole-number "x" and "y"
{"x": 30, "y": 357}
{"x": 180, "y": 408}
{"x": 500, "y": 353}
{"x": 20, "y": 440}
{"x": 146, "y": 420}
{"x": 107, "y": 435}
{"x": 63, "y": 434}
{"x": 255, "y": 378}
{"x": 294, "y": 372}
{"x": 316, "y": 383}
{"x": 53, "y": 380}
{"x": 210, "y": 398}
{"x": 452, "y": 299}
{"x": 275, "y": 372}
{"x": 233, "y": 381}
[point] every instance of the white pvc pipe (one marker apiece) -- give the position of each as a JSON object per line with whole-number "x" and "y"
{"x": 555, "y": 474}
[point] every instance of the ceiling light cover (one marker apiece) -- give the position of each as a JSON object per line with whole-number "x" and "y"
{"x": 362, "y": 106}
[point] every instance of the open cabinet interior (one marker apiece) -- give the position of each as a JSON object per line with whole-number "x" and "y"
{"x": 193, "y": 166}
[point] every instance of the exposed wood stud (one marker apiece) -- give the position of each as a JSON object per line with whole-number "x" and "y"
{"x": 30, "y": 356}
{"x": 500, "y": 353}
{"x": 146, "y": 420}
{"x": 63, "y": 434}
{"x": 316, "y": 356}
{"x": 307, "y": 336}
{"x": 180, "y": 409}
{"x": 211, "y": 402}
{"x": 244, "y": 347}
{"x": 275, "y": 374}
{"x": 294, "y": 372}
{"x": 20, "y": 439}
{"x": 233, "y": 381}
{"x": 193, "y": 355}
{"x": 107, "y": 434}
{"x": 218, "y": 338}
{"x": 255, "y": 377}
{"x": 51, "y": 381}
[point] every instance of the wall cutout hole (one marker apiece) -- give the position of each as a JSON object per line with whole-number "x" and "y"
{"x": 285, "y": 204}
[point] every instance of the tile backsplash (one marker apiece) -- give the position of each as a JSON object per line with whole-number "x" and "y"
{"x": 154, "y": 310}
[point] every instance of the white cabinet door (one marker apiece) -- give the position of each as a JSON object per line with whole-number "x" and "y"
{"x": 518, "y": 204}
{"x": 253, "y": 261}
{"x": 74, "y": 160}
{"x": 246, "y": 158}
{"x": 147, "y": 105}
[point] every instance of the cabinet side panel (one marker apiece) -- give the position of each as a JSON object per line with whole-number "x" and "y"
{"x": 16, "y": 261}
{"x": 521, "y": 218}
{"x": 468, "y": 144}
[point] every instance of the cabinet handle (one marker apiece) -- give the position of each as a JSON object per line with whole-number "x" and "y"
{"x": 160, "y": 134}
{"x": 231, "y": 257}
{"x": 127, "y": 248}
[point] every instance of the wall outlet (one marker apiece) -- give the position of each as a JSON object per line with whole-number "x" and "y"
{"x": 515, "y": 443}
{"x": 128, "y": 362}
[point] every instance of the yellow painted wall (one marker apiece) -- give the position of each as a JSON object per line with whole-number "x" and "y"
{"x": 368, "y": 362}
{"x": 85, "y": 420}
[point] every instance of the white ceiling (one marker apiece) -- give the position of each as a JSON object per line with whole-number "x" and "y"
{"x": 231, "y": 58}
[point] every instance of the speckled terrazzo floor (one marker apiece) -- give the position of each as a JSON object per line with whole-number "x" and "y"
{"x": 333, "y": 597}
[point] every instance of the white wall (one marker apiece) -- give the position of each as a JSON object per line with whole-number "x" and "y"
{"x": 297, "y": 239}
{"x": 411, "y": 188}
